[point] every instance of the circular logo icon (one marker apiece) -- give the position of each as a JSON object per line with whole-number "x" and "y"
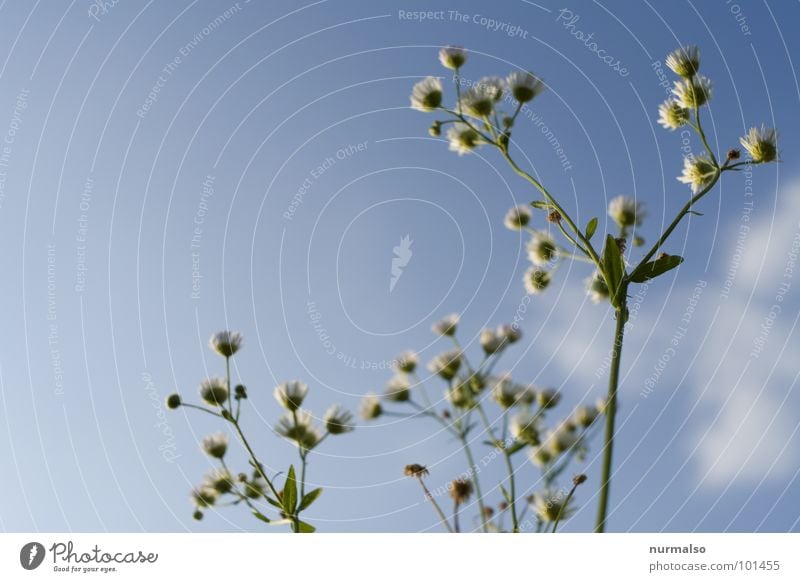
{"x": 31, "y": 555}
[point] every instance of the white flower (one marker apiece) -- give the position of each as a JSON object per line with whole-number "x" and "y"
{"x": 524, "y": 86}
{"x": 510, "y": 333}
{"x": 561, "y": 440}
{"x": 398, "y": 389}
{"x": 525, "y": 428}
{"x": 518, "y": 217}
{"x": 596, "y": 288}
{"x": 491, "y": 342}
{"x": 463, "y": 139}
{"x": 453, "y": 57}
{"x": 302, "y": 432}
{"x": 214, "y": 391}
{"x": 460, "y": 396}
{"x": 672, "y": 114}
{"x": 215, "y": 445}
{"x": 691, "y": 93}
{"x": 493, "y": 86}
{"x": 552, "y": 505}
{"x": 290, "y": 395}
{"x": 220, "y": 480}
{"x": 338, "y": 420}
{"x": 698, "y": 172}
{"x": 536, "y": 280}
{"x": 370, "y": 407}
{"x": 427, "y": 94}
{"x": 447, "y": 325}
{"x": 684, "y": 61}
{"x": 761, "y": 144}
{"x": 505, "y": 392}
{"x": 540, "y": 456}
{"x": 548, "y": 398}
{"x": 226, "y": 343}
{"x": 586, "y": 415}
{"x": 626, "y": 211}
{"x": 541, "y": 248}
{"x": 478, "y": 101}
{"x": 204, "y": 497}
{"x": 406, "y": 362}
{"x": 446, "y": 364}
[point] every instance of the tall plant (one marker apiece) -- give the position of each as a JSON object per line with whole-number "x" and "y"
{"x": 479, "y": 117}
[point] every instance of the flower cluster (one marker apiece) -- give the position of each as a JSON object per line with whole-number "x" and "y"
{"x": 256, "y": 489}
{"x": 471, "y": 392}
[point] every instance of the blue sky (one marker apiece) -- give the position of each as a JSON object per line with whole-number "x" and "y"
{"x": 153, "y": 157}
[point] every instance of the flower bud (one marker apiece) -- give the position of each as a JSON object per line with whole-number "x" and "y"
{"x": 173, "y": 401}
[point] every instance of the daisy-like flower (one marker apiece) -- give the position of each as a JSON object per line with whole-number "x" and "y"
{"x": 494, "y": 86}
{"x": 510, "y": 333}
{"x": 524, "y": 86}
{"x": 596, "y": 288}
{"x": 370, "y": 407}
{"x": 406, "y": 362}
{"x": 691, "y": 93}
{"x": 552, "y": 505}
{"x": 416, "y": 470}
{"x": 698, "y": 172}
{"x": 302, "y": 432}
{"x": 536, "y": 280}
{"x": 427, "y": 94}
{"x": 505, "y": 392}
{"x": 220, "y": 480}
{"x": 338, "y": 420}
{"x": 290, "y": 395}
{"x": 540, "y": 456}
{"x": 447, "y": 326}
{"x": 684, "y": 61}
{"x": 204, "y": 497}
{"x": 226, "y": 343}
{"x": 446, "y": 364}
{"x": 548, "y": 398}
{"x": 453, "y": 57}
{"x": 586, "y": 415}
{"x": 541, "y": 248}
{"x": 525, "y": 428}
{"x": 215, "y": 445}
{"x": 398, "y": 389}
{"x": 463, "y": 139}
{"x": 518, "y": 217}
{"x": 460, "y": 491}
{"x": 561, "y": 440}
{"x": 491, "y": 342}
{"x": 761, "y": 143}
{"x": 460, "y": 396}
{"x": 672, "y": 114}
{"x": 214, "y": 391}
{"x": 626, "y": 211}
{"x": 478, "y": 101}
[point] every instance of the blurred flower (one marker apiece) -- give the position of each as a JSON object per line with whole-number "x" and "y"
{"x": 398, "y": 389}
{"x": 761, "y": 144}
{"x": 561, "y": 440}
{"x": 540, "y": 456}
{"x": 370, "y": 407}
{"x": 447, "y": 325}
{"x": 299, "y": 429}
{"x": 427, "y": 94}
{"x": 215, "y": 445}
{"x": 291, "y": 394}
{"x": 453, "y": 57}
{"x": 220, "y": 480}
{"x": 255, "y": 487}
{"x": 596, "y": 288}
{"x": 505, "y": 392}
{"x": 446, "y": 364}
{"x": 214, "y": 391}
{"x": 698, "y": 172}
{"x": 510, "y": 333}
{"x": 494, "y": 86}
{"x": 672, "y": 114}
{"x": 626, "y": 211}
{"x": 338, "y": 420}
{"x": 524, "y": 86}
{"x": 226, "y": 343}
{"x": 415, "y": 470}
{"x": 478, "y": 101}
{"x": 548, "y": 398}
{"x": 536, "y": 280}
{"x": 684, "y": 61}
{"x": 552, "y": 505}
{"x": 407, "y": 362}
{"x": 693, "y": 93}
{"x": 173, "y": 401}
{"x": 491, "y": 342}
{"x": 541, "y": 248}
{"x": 460, "y": 396}
{"x": 525, "y": 428}
{"x": 586, "y": 415}
{"x": 460, "y": 490}
{"x": 517, "y": 217}
{"x": 204, "y": 497}
{"x": 463, "y": 139}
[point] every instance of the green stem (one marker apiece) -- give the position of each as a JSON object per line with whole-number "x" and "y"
{"x": 564, "y": 506}
{"x": 610, "y": 412}
{"x": 436, "y": 507}
{"x": 509, "y": 466}
{"x": 473, "y": 470}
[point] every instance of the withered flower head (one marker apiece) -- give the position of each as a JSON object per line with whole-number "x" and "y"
{"x": 416, "y": 470}
{"x": 460, "y": 490}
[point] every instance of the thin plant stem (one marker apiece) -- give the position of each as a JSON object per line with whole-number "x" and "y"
{"x": 509, "y": 466}
{"x": 436, "y": 507}
{"x": 564, "y": 506}
{"x": 473, "y": 471}
{"x": 456, "y": 505}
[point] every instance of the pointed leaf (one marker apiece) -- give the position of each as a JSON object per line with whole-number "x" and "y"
{"x": 306, "y": 528}
{"x": 541, "y": 204}
{"x": 274, "y": 503}
{"x": 309, "y": 498}
{"x": 591, "y": 227}
{"x": 261, "y": 516}
{"x": 655, "y": 268}
{"x": 613, "y": 268}
{"x": 290, "y": 492}
{"x": 506, "y": 495}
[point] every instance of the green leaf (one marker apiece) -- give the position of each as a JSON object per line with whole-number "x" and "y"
{"x": 306, "y": 528}
{"x": 591, "y": 227}
{"x": 694, "y": 212}
{"x": 655, "y": 268}
{"x": 613, "y": 268}
{"x": 290, "y": 492}
{"x": 541, "y": 204}
{"x": 261, "y": 516}
{"x": 310, "y": 498}
{"x": 506, "y": 495}
{"x": 274, "y": 503}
